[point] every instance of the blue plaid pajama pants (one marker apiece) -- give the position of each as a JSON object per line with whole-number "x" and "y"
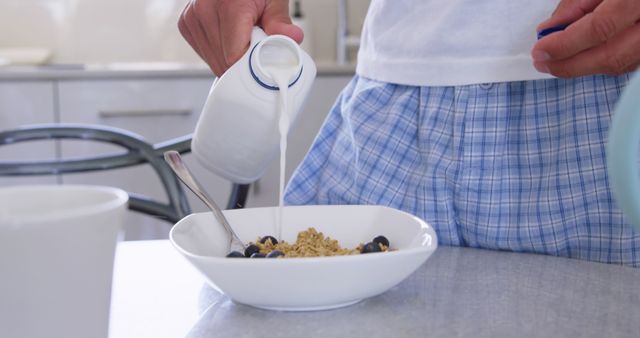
{"x": 516, "y": 166}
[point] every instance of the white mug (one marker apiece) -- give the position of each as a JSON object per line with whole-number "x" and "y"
{"x": 622, "y": 151}
{"x": 57, "y": 247}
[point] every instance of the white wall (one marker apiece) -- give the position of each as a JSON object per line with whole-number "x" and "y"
{"x": 96, "y": 31}
{"x": 323, "y": 18}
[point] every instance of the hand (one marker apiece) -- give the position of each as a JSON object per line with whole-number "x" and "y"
{"x": 220, "y": 30}
{"x": 603, "y": 37}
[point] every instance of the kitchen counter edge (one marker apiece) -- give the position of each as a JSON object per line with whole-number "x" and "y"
{"x": 141, "y": 70}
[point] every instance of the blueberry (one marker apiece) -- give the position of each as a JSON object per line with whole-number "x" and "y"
{"x": 235, "y": 254}
{"x": 250, "y": 250}
{"x": 258, "y": 255}
{"x": 275, "y": 253}
{"x": 265, "y": 238}
{"x": 370, "y": 247}
{"x": 381, "y": 240}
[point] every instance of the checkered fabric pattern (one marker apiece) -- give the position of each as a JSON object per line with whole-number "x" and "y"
{"x": 516, "y": 166}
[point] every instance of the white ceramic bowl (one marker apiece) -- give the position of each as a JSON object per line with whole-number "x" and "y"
{"x": 301, "y": 284}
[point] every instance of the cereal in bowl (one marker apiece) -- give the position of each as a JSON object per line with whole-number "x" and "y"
{"x": 309, "y": 243}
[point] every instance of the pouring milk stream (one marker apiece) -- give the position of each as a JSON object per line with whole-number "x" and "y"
{"x": 250, "y": 108}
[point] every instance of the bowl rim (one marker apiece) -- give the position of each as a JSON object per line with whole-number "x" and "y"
{"x": 422, "y": 249}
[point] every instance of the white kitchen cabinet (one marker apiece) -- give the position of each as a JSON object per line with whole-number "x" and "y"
{"x": 157, "y": 110}
{"x": 22, "y": 103}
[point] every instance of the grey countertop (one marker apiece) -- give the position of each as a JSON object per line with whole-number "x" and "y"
{"x": 458, "y": 292}
{"x": 132, "y": 70}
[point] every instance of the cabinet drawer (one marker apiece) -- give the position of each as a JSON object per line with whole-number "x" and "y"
{"x": 157, "y": 110}
{"x": 23, "y": 103}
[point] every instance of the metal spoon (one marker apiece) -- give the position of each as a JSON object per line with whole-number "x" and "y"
{"x": 180, "y": 169}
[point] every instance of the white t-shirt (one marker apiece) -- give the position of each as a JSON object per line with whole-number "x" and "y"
{"x": 451, "y": 42}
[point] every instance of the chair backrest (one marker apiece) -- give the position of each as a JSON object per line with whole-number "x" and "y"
{"x": 138, "y": 151}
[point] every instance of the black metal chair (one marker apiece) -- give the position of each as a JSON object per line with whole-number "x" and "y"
{"x": 138, "y": 151}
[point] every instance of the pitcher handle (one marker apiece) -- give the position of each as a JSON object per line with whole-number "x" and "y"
{"x": 623, "y": 149}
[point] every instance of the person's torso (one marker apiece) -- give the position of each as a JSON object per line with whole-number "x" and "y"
{"x": 454, "y": 42}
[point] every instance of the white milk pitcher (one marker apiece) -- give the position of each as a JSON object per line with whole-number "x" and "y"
{"x": 237, "y": 135}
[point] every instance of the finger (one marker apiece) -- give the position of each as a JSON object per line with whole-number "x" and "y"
{"x": 288, "y": 29}
{"x": 208, "y": 47}
{"x": 276, "y": 20}
{"x": 569, "y": 11}
{"x": 236, "y": 23}
{"x": 595, "y": 28}
{"x": 211, "y": 48}
{"x": 186, "y": 34}
{"x": 618, "y": 56}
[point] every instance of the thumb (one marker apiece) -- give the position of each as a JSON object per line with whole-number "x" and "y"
{"x": 569, "y": 11}
{"x": 276, "y": 20}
